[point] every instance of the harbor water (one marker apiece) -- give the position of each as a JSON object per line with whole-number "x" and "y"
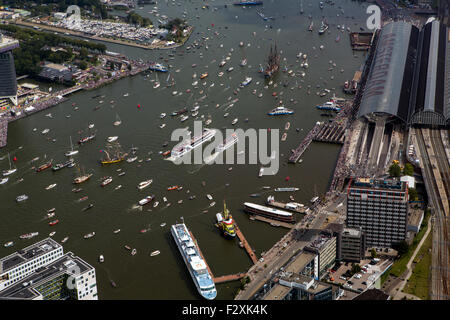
{"x": 165, "y": 276}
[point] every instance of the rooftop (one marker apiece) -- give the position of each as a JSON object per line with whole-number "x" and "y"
{"x": 27, "y": 253}
{"x": 320, "y": 241}
{"x": 25, "y": 289}
{"x": 366, "y": 183}
{"x": 7, "y": 44}
{"x": 300, "y": 262}
{"x": 352, "y": 232}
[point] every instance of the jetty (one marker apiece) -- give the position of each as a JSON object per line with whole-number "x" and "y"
{"x": 331, "y": 133}
{"x": 273, "y": 223}
{"x": 297, "y": 153}
{"x": 246, "y": 245}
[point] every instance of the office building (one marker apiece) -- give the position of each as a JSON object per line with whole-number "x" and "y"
{"x": 352, "y": 245}
{"x": 324, "y": 245}
{"x": 380, "y": 209}
{"x": 8, "y": 81}
{"x": 43, "y": 272}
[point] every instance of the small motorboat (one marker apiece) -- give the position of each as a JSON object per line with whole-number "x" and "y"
{"x": 112, "y": 138}
{"x": 127, "y": 247}
{"x": 113, "y": 284}
{"x": 51, "y": 234}
{"x": 64, "y": 240}
{"x": 50, "y": 186}
{"x": 89, "y": 235}
{"x": 162, "y": 224}
{"x": 52, "y": 223}
{"x": 155, "y": 253}
{"x": 8, "y": 244}
{"x": 133, "y": 252}
{"x": 116, "y": 231}
{"x": 88, "y": 207}
{"x": 101, "y": 258}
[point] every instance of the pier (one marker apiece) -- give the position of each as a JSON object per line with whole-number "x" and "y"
{"x": 331, "y": 133}
{"x": 297, "y": 153}
{"x": 247, "y": 247}
{"x": 274, "y": 223}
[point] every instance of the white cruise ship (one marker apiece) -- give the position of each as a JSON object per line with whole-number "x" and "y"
{"x": 194, "y": 262}
{"x": 188, "y": 146}
{"x": 228, "y": 142}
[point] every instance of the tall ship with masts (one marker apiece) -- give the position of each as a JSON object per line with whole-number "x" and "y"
{"x": 113, "y": 154}
{"x": 225, "y": 222}
{"x": 273, "y": 63}
{"x": 82, "y": 176}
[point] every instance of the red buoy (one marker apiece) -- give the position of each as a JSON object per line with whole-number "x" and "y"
{"x": 14, "y": 159}
{"x": 139, "y": 105}
{"x": 288, "y": 178}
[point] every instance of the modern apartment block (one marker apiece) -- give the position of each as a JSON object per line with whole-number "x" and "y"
{"x": 43, "y": 272}
{"x": 324, "y": 245}
{"x": 380, "y": 209}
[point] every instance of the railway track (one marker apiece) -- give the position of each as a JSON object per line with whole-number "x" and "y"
{"x": 439, "y": 203}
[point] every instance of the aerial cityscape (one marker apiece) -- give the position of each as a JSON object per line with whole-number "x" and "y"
{"x": 224, "y": 150}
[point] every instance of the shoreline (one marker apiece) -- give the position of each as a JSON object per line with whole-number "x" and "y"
{"x": 58, "y": 97}
{"x": 96, "y": 38}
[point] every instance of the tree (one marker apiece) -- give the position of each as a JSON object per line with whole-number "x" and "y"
{"x": 356, "y": 268}
{"x": 413, "y": 195}
{"x": 408, "y": 170}
{"x": 395, "y": 170}
{"x": 373, "y": 253}
{"x": 402, "y": 247}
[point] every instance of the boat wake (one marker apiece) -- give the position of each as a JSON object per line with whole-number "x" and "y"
{"x": 136, "y": 207}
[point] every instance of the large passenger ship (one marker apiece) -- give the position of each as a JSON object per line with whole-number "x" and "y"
{"x": 194, "y": 262}
{"x": 269, "y": 212}
{"x": 190, "y": 145}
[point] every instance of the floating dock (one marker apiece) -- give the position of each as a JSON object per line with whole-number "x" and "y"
{"x": 247, "y": 247}
{"x": 274, "y": 223}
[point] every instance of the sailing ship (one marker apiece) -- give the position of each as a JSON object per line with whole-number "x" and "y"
{"x": 71, "y": 152}
{"x": 114, "y": 154}
{"x": 11, "y": 170}
{"x": 82, "y": 177}
{"x": 225, "y": 222}
{"x": 273, "y": 63}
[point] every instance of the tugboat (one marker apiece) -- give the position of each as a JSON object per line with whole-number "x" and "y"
{"x": 225, "y": 222}
{"x": 273, "y": 63}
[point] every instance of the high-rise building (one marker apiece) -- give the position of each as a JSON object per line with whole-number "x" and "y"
{"x": 380, "y": 208}
{"x": 8, "y": 81}
{"x": 43, "y": 272}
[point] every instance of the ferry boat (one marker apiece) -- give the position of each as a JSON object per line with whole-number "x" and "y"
{"x": 288, "y": 189}
{"x": 195, "y": 142}
{"x": 228, "y": 142}
{"x": 29, "y": 235}
{"x": 21, "y": 198}
{"x": 144, "y": 184}
{"x": 271, "y": 213}
{"x": 146, "y": 200}
{"x": 194, "y": 262}
{"x": 44, "y": 166}
{"x": 226, "y": 223}
{"x": 330, "y": 105}
{"x": 106, "y": 181}
{"x": 279, "y": 111}
{"x": 157, "y": 67}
